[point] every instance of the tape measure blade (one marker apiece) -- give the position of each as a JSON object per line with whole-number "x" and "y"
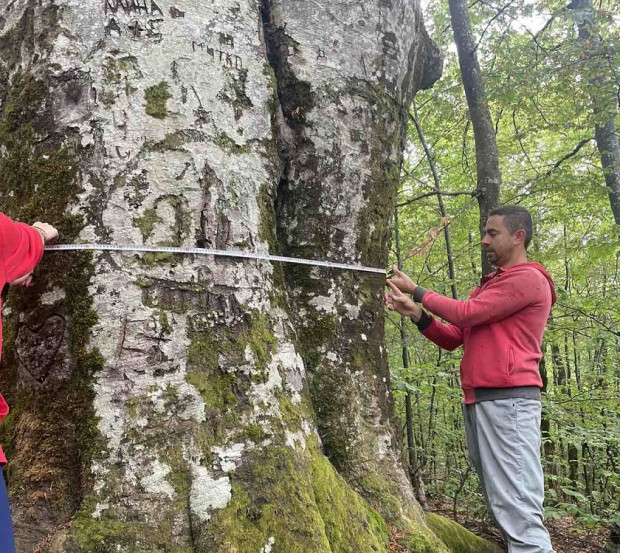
{"x": 215, "y": 253}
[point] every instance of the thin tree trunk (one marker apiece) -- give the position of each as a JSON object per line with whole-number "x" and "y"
{"x": 545, "y": 428}
{"x": 604, "y": 103}
{"x": 563, "y": 371}
{"x": 414, "y": 466}
{"x": 447, "y": 237}
{"x": 442, "y": 206}
{"x": 487, "y": 159}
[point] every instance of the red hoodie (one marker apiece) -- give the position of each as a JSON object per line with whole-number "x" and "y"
{"x": 500, "y": 326}
{"x": 21, "y": 248}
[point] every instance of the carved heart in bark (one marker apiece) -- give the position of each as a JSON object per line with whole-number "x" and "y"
{"x": 37, "y": 347}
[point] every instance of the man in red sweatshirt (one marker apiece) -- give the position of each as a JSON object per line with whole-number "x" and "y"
{"x": 21, "y": 248}
{"x": 500, "y": 327}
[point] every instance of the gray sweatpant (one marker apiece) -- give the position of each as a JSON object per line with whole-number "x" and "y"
{"x": 503, "y": 438}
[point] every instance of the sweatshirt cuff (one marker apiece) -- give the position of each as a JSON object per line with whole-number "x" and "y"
{"x": 424, "y": 322}
{"x": 418, "y": 294}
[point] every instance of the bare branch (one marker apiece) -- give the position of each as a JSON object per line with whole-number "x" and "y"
{"x": 591, "y": 317}
{"x": 498, "y": 14}
{"x": 576, "y": 149}
{"x": 518, "y": 136}
{"x": 547, "y": 25}
{"x": 471, "y": 193}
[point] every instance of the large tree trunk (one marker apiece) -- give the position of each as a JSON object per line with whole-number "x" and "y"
{"x": 181, "y": 404}
{"x": 487, "y": 158}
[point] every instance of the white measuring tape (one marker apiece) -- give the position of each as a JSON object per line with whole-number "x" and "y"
{"x": 207, "y": 251}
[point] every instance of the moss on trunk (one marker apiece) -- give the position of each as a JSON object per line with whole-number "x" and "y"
{"x": 50, "y": 434}
{"x": 457, "y": 538}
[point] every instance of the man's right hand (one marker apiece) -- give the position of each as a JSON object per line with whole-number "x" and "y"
{"x": 48, "y": 232}
{"x": 402, "y": 281}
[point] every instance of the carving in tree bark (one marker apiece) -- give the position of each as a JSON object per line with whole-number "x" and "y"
{"x": 487, "y": 158}
{"x": 166, "y": 403}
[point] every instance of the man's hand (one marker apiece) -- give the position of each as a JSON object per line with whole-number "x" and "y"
{"x": 402, "y": 281}
{"x": 48, "y": 232}
{"x": 397, "y": 301}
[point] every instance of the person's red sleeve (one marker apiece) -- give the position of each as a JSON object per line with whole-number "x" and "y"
{"x": 513, "y": 292}
{"x": 21, "y": 248}
{"x": 446, "y": 336}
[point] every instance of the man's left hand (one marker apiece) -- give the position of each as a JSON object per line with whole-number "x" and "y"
{"x": 402, "y": 281}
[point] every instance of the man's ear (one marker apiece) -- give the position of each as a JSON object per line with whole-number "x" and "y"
{"x": 519, "y": 237}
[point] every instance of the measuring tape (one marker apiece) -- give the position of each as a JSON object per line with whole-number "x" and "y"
{"x": 220, "y": 253}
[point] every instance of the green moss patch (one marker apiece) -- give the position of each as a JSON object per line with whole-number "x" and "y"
{"x": 351, "y": 524}
{"x": 110, "y": 534}
{"x": 51, "y": 436}
{"x": 229, "y": 145}
{"x": 147, "y": 222}
{"x": 297, "y": 500}
{"x": 271, "y": 498}
{"x": 156, "y": 97}
{"x": 457, "y": 538}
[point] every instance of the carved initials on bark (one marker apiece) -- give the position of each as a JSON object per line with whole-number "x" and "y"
{"x": 132, "y": 6}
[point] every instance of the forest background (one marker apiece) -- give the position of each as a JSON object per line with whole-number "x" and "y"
{"x": 551, "y": 74}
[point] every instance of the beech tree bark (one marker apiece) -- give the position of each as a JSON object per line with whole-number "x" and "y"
{"x": 487, "y": 158}
{"x": 203, "y": 404}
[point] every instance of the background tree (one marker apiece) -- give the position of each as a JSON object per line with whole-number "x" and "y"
{"x": 599, "y": 72}
{"x": 487, "y": 160}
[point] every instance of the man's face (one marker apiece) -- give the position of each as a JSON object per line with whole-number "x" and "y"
{"x": 497, "y": 241}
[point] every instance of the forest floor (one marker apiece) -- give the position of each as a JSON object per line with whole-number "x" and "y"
{"x": 566, "y": 535}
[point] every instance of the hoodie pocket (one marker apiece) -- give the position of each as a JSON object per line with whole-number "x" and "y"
{"x": 510, "y": 360}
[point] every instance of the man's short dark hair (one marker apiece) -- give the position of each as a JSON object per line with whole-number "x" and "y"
{"x": 516, "y": 218}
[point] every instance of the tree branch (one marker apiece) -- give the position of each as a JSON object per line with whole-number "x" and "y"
{"x": 591, "y": 317}
{"x": 576, "y": 149}
{"x": 499, "y": 13}
{"x": 471, "y": 193}
{"x": 518, "y": 136}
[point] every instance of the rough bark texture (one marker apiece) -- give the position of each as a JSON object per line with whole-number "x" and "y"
{"x": 344, "y": 116}
{"x": 487, "y": 158}
{"x": 177, "y": 404}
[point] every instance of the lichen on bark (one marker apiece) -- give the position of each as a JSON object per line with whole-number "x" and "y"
{"x": 343, "y": 133}
{"x": 177, "y": 414}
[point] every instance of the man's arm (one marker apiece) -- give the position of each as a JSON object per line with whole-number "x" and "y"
{"x": 515, "y": 291}
{"x": 446, "y": 336}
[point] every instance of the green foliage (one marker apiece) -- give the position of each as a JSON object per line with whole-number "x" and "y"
{"x": 546, "y": 90}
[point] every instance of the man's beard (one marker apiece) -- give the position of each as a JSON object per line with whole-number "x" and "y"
{"x": 492, "y": 257}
